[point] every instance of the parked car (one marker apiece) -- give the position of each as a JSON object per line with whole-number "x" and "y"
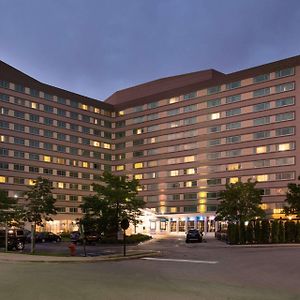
{"x": 16, "y": 239}
{"x": 46, "y": 236}
{"x": 75, "y": 236}
{"x": 90, "y": 237}
{"x": 193, "y": 235}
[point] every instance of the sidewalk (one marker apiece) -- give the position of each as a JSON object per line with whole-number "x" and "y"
{"x": 20, "y": 257}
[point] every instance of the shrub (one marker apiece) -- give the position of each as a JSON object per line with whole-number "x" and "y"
{"x": 242, "y": 236}
{"x": 265, "y": 231}
{"x": 290, "y": 231}
{"x": 257, "y": 232}
{"x": 237, "y": 233}
{"x": 281, "y": 232}
{"x": 275, "y": 231}
{"x": 297, "y": 234}
{"x": 250, "y": 233}
{"x": 231, "y": 233}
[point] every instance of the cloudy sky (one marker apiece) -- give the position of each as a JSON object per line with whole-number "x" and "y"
{"x": 96, "y": 47}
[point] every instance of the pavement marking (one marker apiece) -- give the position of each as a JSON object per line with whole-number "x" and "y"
{"x": 212, "y": 262}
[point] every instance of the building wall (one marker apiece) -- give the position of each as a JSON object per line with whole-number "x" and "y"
{"x": 183, "y": 148}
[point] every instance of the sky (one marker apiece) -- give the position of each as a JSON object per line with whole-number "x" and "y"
{"x": 97, "y": 47}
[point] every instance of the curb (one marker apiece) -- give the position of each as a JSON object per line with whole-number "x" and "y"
{"x": 16, "y": 258}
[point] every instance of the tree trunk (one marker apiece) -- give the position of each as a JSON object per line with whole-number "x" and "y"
{"x": 33, "y": 225}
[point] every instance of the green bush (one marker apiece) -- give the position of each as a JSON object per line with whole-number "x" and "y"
{"x": 275, "y": 232}
{"x": 250, "y": 233}
{"x": 290, "y": 231}
{"x": 231, "y": 234}
{"x": 237, "y": 233}
{"x": 297, "y": 234}
{"x": 265, "y": 231}
{"x": 281, "y": 233}
{"x": 242, "y": 237}
{"x": 257, "y": 232}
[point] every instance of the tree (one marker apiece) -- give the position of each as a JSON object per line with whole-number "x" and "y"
{"x": 10, "y": 212}
{"x": 275, "y": 232}
{"x": 293, "y": 199}
{"x": 115, "y": 198}
{"x": 40, "y": 205}
{"x": 240, "y": 202}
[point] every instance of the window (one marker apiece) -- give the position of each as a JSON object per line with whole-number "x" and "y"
{"x": 261, "y": 106}
{"x": 261, "y": 92}
{"x": 233, "y": 85}
{"x": 174, "y": 173}
{"x": 261, "y": 121}
{"x": 190, "y": 96}
{"x": 261, "y": 78}
{"x": 285, "y": 102}
{"x": 214, "y": 181}
{"x": 34, "y": 143}
{"x": 285, "y": 146}
{"x": 3, "y": 152}
{"x": 285, "y": 131}
{"x": 214, "y": 129}
{"x": 2, "y": 179}
{"x": 214, "y": 116}
{"x": 173, "y": 112}
{"x": 233, "y": 112}
{"x": 138, "y": 108}
{"x": 138, "y": 142}
{"x": 4, "y": 97}
{"x": 233, "y": 153}
{"x": 4, "y": 84}
{"x": 261, "y": 163}
{"x": 233, "y": 139}
{"x": 190, "y": 158}
{"x": 19, "y": 141}
{"x": 106, "y": 146}
{"x": 47, "y": 158}
{"x": 34, "y": 118}
{"x": 173, "y": 100}
{"x": 261, "y": 135}
{"x": 234, "y": 125}
{"x": 19, "y": 88}
{"x": 48, "y": 146}
{"x": 34, "y": 156}
{"x": 48, "y": 121}
{"x": 190, "y": 108}
{"x": 285, "y": 176}
{"x": 190, "y": 171}
{"x": 214, "y": 142}
{"x": 190, "y": 196}
{"x": 232, "y": 99}
{"x": 61, "y": 148}
{"x": 285, "y": 87}
{"x": 138, "y": 153}
{"x": 33, "y": 169}
{"x": 120, "y": 167}
{"x": 19, "y": 127}
{"x": 262, "y": 178}
{"x": 3, "y": 165}
{"x": 4, "y": 124}
{"x": 284, "y": 161}
{"x": 233, "y": 167}
{"x": 285, "y": 117}
{"x": 233, "y": 180}
{"x": 61, "y": 100}
{"x": 19, "y": 167}
{"x": 34, "y": 93}
{"x": 284, "y": 72}
{"x": 61, "y": 124}
{"x": 138, "y": 165}
{"x": 48, "y": 96}
{"x": 214, "y": 90}
{"x": 19, "y": 114}
{"x": 152, "y": 105}
{"x": 213, "y": 103}
{"x": 19, "y": 154}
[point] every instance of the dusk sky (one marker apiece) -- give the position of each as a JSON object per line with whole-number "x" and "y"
{"x": 96, "y": 47}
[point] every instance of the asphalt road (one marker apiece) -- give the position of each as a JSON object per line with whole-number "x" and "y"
{"x": 209, "y": 270}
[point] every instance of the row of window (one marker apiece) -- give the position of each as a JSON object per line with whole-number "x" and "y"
{"x": 35, "y": 93}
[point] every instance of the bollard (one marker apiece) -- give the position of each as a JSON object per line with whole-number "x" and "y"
{"x": 72, "y": 248}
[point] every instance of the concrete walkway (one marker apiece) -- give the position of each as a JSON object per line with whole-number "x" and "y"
{"x": 20, "y": 257}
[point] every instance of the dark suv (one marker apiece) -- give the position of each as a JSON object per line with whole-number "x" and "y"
{"x": 193, "y": 235}
{"x": 16, "y": 239}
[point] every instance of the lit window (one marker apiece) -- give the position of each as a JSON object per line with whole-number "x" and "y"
{"x": 138, "y": 176}
{"x": 31, "y": 181}
{"x": 34, "y": 105}
{"x": 261, "y": 149}
{"x": 262, "y": 178}
{"x": 153, "y": 140}
{"x": 232, "y": 167}
{"x": 97, "y": 110}
{"x": 106, "y": 146}
{"x": 60, "y": 185}
{"x": 233, "y": 180}
{"x": 190, "y": 171}
{"x": 61, "y": 161}
{"x": 85, "y": 164}
{"x": 2, "y": 179}
{"x": 277, "y": 211}
{"x": 173, "y": 100}
{"x": 47, "y": 158}
{"x": 189, "y": 158}
{"x": 84, "y": 106}
{"x": 214, "y": 116}
{"x": 284, "y": 147}
{"x": 173, "y": 209}
{"x": 121, "y": 113}
{"x": 174, "y": 173}
{"x": 120, "y": 168}
{"x": 138, "y": 165}
{"x": 96, "y": 144}
{"x": 2, "y": 138}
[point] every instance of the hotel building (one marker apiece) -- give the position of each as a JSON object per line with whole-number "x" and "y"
{"x": 183, "y": 137}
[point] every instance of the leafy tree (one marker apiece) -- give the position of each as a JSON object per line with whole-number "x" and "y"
{"x": 240, "y": 202}
{"x": 293, "y": 199}
{"x": 115, "y": 198}
{"x": 10, "y": 212}
{"x": 40, "y": 205}
{"x": 297, "y": 235}
{"x": 257, "y": 232}
{"x": 290, "y": 231}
